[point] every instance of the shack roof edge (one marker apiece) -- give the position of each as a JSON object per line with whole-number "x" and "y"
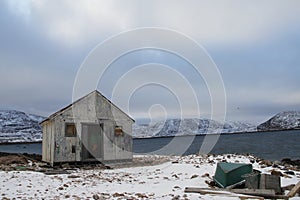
{"x": 52, "y": 116}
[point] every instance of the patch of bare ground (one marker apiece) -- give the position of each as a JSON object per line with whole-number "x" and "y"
{"x": 11, "y": 162}
{"x": 32, "y": 162}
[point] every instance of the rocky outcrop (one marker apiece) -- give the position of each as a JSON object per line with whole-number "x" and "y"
{"x": 17, "y": 126}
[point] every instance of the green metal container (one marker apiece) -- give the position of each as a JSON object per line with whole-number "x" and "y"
{"x": 228, "y": 174}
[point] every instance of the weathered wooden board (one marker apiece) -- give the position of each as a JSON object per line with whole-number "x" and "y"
{"x": 253, "y": 193}
{"x": 294, "y": 190}
{"x": 258, "y": 192}
{"x": 266, "y": 193}
{"x": 268, "y": 181}
{"x": 222, "y": 192}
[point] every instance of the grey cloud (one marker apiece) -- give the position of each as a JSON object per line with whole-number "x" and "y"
{"x": 254, "y": 44}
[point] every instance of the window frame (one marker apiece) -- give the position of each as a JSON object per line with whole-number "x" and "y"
{"x": 119, "y": 131}
{"x": 74, "y": 129}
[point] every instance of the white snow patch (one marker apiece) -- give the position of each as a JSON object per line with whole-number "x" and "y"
{"x": 156, "y": 182}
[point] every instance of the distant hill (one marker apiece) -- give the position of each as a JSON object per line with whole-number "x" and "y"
{"x": 17, "y": 126}
{"x": 172, "y": 127}
{"x": 282, "y": 121}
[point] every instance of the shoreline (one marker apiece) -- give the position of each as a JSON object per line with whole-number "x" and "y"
{"x": 11, "y": 143}
{"x": 170, "y": 136}
{"x": 233, "y": 133}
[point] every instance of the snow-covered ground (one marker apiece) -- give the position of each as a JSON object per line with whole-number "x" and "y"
{"x": 164, "y": 181}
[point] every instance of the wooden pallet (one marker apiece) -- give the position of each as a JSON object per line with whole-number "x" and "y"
{"x": 241, "y": 193}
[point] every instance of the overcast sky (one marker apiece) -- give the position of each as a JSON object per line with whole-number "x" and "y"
{"x": 254, "y": 44}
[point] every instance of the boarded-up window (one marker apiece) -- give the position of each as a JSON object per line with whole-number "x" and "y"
{"x": 118, "y": 131}
{"x": 70, "y": 130}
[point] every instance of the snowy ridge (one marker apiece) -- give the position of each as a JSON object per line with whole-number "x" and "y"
{"x": 17, "y": 126}
{"x": 282, "y": 121}
{"x": 172, "y": 127}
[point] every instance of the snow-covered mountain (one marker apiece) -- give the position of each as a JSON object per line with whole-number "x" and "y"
{"x": 282, "y": 121}
{"x": 17, "y": 126}
{"x": 193, "y": 126}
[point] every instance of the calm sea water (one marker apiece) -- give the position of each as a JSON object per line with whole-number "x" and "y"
{"x": 267, "y": 145}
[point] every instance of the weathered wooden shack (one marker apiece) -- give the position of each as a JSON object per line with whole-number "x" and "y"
{"x": 90, "y": 129}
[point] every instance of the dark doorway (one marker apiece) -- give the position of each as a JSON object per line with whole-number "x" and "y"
{"x": 92, "y": 141}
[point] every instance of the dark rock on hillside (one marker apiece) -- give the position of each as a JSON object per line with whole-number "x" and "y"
{"x": 190, "y": 126}
{"x": 282, "y": 121}
{"x": 17, "y": 126}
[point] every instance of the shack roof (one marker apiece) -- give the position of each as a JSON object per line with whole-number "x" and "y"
{"x": 52, "y": 116}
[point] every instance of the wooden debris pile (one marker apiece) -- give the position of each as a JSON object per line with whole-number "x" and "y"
{"x": 240, "y": 180}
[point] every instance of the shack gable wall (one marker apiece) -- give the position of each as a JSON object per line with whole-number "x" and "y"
{"x": 93, "y": 109}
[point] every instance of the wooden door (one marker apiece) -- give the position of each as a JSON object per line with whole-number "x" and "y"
{"x": 92, "y": 141}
